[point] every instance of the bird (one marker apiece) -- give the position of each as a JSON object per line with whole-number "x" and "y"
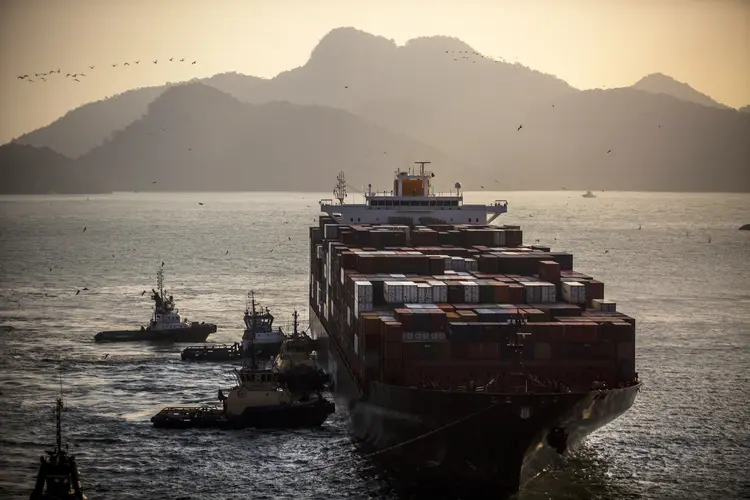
{"x": 106, "y": 356}
{"x": 199, "y": 203}
{"x": 153, "y": 182}
{"x": 126, "y": 64}
{"x": 193, "y": 62}
{"x": 227, "y": 253}
{"x": 82, "y": 74}
{"x": 143, "y": 293}
{"x": 50, "y": 269}
{"x": 156, "y": 61}
{"x": 92, "y": 67}
{"x": 137, "y": 62}
{"x": 162, "y": 264}
{"x": 76, "y": 80}
{"x": 290, "y": 238}
{"x": 171, "y": 58}
{"x": 271, "y": 250}
{"x": 639, "y": 227}
{"x": 519, "y": 127}
{"x": 84, "y": 288}
{"x": 84, "y": 228}
{"x": 114, "y": 65}
{"x": 182, "y": 60}
{"x": 609, "y": 151}
{"x": 77, "y": 292}
{"x": 346, "y": 86}
{"x": 43, "y": 79}
{"x": 481, "y": 187}
{"x": 190, "y": 149}
{"x": 553, "y": 105}
{"x": 606, "y": 251}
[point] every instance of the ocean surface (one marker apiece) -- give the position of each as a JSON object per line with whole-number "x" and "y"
{"x": 687, "y": 436}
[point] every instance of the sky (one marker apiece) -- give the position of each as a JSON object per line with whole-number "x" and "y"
{"x": 588, "y": 43}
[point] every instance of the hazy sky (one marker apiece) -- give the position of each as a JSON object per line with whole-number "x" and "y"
{"x": 589, "y": 43}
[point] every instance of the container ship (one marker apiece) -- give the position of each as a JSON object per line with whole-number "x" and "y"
{"x": 462, "y": 355}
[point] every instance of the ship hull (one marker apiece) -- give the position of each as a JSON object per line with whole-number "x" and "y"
{"x": 312, "y": 413}
{"x": 483, "y": 441}
{"x": 194, "y": 333}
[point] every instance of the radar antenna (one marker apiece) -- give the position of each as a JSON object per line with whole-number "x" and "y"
{"x": 421, "y": 166}
{"x": 339, "y": 191}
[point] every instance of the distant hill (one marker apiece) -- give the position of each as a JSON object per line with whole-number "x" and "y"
{"x": 195, "y": 137}
{"x": 29, "y": 170}
{"x": 658, "y": 83}
{"x": 89, "y": 125}
{"x": 435, "y": 98}
{"x": 745, "y": 109}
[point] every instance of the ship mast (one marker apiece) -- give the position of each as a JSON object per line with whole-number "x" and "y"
{"x": 421, "y": 166}
{"x": 58, "y": 418}
{"x": 160, "y": 282}
{"x": 339, "y": 190}
{"x": 295, "y": 323}
{"x": 252, "y": 329}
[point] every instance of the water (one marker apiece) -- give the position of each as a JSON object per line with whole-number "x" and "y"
{"x": 687, "y": 436}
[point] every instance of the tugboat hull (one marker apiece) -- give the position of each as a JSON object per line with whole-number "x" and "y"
{"x": 297, "y": 415}
{"x": 193, "y": 333}
{"x": 228, "y": 352}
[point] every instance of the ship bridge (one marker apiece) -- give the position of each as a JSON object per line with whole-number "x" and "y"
{"x": 411, "y": 201}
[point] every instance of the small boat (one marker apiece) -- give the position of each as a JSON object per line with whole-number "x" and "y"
{"x": 165, "y": 325}
{"x": 588, "y": 194}
{"x": 259, "y": 333}
{"x": 58, "y": 477}
{"x": 258, "y": 400}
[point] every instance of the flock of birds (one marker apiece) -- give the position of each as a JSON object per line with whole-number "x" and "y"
{"x": 76, "y": 77}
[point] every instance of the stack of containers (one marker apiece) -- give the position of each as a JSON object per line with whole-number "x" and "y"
{"x": 410, "y": 293}
{"x": 573, "y": 292}
{"x": 362, "y": 297}
{"x": 393, "y": 292}
{"x": 439, "y": 291}
{"x": 471, "y": 291}
{"x": 424, "y": 293}
{"x": 603, "y": 305}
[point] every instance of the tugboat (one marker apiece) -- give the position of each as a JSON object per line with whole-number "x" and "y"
{"x": 259, "y": 333}
{"x": 165, "y": 325}
{"x": 296, "y": 363}
{"x": 260, "y": 399}
{"x": 588, "y": 194}
{"x": 58, "y": 477}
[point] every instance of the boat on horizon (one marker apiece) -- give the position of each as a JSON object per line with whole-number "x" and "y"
{"x": 465, "y": 357}
{"x": 165, "y": 324}
{"x": 58, "y": 477}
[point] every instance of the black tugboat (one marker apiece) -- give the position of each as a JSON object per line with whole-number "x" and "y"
{"x": 296, "y": 365}
{"x": 165, "y": 325}
{"x": 259, "y": 333}
{"x": 58, "y": 477}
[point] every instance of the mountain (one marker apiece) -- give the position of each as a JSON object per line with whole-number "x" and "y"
{"x": 195, "y": 137}
{"x": 79, "y": 130}
{"x": 658, "y": 83}
{"x": 745, "y": 109}
{"x": 435, "y": 98}
{"x": 29, "y": 170}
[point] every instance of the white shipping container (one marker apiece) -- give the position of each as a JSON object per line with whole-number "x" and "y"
{"x": 548, "y": 292}
{"x": 471, "y": 265}
{"x": 573, "y": 292}
{"x": 360, "y": 307}
{"x": 363, "y": 292}
{"x": 410, "y": 291}
{"x": 393, "y": 292}
{"x": 424, "y": 293}
{"x": 604, "y": 305}
{"x": 447, "y": 263}
{"x": 458, "y": 264}
{"x": 471, "y": 291}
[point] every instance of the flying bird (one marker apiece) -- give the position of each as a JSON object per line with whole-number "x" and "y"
{"x": 519, "y": 127}
{"x": 126, "y": 64}
{"x": 92, "y": 67}
{"x": 153, "y": 182}
{"x": 171, "y": 58}
{"x": 609, "y": 151}
{"x": 114, "y": 65}
{"x": 227, "y": 253}
{"x": 84, "y": 288}
{"x": 43, "y": 79}
{"x": 143, "y": 293}
{"x": 76, "y": 80}
{"x": 156, "y": 61}
{"x": 77, "y": 292}
{"x": 50, "y": 269}
{"x": 199, "y": 203}
{"x": 181, "y": 60}
{"x": 84, "y": 228}
{"x": 194, "y": 62}
{"x": 137, "y": 62}
{"x": 162, "y": 264}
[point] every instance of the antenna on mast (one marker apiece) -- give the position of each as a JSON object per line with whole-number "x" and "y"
{"x": 160, "y": 281}
{"x": 421, "y": 166}
{"x": 339, "y": 191}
